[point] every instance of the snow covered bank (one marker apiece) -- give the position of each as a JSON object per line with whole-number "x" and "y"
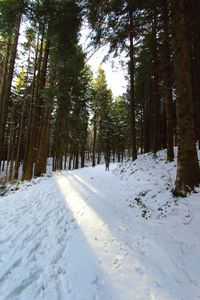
{"x": 90, "y": 234}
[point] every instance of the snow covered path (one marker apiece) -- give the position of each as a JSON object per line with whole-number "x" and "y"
{"x": 73, "y": 236}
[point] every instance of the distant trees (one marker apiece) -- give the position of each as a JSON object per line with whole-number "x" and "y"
{"x": 112, "y": 23}
{"x": 121, "y": 140}
{"x": 109, "y": 121}
{"x": 101, "y": 107}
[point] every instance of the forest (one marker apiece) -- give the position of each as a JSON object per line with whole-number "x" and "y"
{"x": 99, "y": 192}
{"x": 51, "y": 105}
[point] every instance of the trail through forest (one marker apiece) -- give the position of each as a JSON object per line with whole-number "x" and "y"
{"x": 76, "y": 235}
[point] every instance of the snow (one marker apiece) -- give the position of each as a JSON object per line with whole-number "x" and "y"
{"x": 90, "y": 234}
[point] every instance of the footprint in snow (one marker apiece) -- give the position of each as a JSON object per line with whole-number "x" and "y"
{"x": 117, "y": 263}
{"x": 9, "y": 271}
{"x": 139, "y": 270}
{"x": 24, "y": 284}
{"x": 97, "y": 281}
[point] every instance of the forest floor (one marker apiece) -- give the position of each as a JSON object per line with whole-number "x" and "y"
{"x": 94, "y": 235}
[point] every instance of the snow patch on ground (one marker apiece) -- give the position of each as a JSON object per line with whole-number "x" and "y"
{"x": 90, "y": 234}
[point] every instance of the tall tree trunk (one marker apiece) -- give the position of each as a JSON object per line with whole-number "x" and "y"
{"x": 156, "y": 91}
{"x": 76, "y": 160}
{"x": 10, "y": 143}
{"x": 148, "y": 117}
{"x": 31, "y": 136}
{"x": 21, "y": 122}
{"x": 94, "y": 145}
{"x": 188, "y": 175}
{"x": 70, "y": 161}
{"x": 3, "y": 105}
{"x": 193, "y": 9}
{"x": 132, "y": 88}
{"x": 43, "y": 120}
{"x": 4, "y": 74}
{"x": 40, "y": 164}
{"x": 12, "y": 156}
{"x": 5, "y": 93}
{"x": 167, "y": 83}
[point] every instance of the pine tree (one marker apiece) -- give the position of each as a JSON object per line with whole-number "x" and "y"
{"x": 121, "y": 130}
{"x": 101, "y": 106}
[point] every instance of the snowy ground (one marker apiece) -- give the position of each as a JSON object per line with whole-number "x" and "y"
{"x": 95, "y": 235}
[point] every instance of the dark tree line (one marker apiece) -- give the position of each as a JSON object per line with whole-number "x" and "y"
{"x": 51, "y": 106}
{"x": 44, "y": 86}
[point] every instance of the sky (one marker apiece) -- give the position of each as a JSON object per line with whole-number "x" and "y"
{"x": 115, "y": 74}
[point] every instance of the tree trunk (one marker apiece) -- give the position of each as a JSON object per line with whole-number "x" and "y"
{"x": 40, "y": 164}
{"x": 167, "y": 83}
{"x": 132, "y": 88}
{"x": 10, "y": 143}
{"x": 43, "y": 119}
{"x": 147, "y": 118}
{"x": 94, "y": 145}
{"x": 21, "y": 122}
{"x": 30, "y": 143}
{"x": 5, "y": 93}
{"x": 156, "y": 91}
{"x": 187, "y": 169}
{"x": 3, "y": 105}
{"x": 193, "y": 9}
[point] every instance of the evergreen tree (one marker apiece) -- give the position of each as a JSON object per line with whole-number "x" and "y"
{"x": 121, "y": 130}
{"x": 101, "y": 116}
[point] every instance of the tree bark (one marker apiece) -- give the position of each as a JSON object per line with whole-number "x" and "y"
{"x": 43, "y": 119}
{"x": 167, "y": 85}
{"x": 193, "y": 9}
{"x": 132, "y": 88}
{"x": 156, "y": 91}
{"x": 94, "y": 144}
{"x": 31, "y": 136}
{"x": 5, "y": 93}
{"x": 187, "y": 176}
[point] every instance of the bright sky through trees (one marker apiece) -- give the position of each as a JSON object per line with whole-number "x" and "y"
{"x": 115, "y": 75}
